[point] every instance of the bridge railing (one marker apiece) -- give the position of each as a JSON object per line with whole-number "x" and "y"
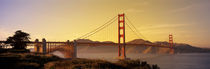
{"x": 47, "y": 47}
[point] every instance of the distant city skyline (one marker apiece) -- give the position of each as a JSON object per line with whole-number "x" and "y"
{"x": 60, "y": 20}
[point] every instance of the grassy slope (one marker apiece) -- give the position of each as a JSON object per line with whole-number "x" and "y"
{"x": 41, "y": 61}
{"x": 24, "y": 60}
{"x": 98, "y": 64}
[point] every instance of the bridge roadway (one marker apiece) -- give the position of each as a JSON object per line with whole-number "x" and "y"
{"x": 102, "y": 44}
{"x": 116, "y": 44}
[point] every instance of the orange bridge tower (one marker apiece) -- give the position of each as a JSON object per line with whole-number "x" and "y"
{"x": 121, "y": 36}
{"x": 171, "y": 45}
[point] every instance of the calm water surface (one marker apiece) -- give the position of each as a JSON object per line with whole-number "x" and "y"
{"x": 178, "y": 61}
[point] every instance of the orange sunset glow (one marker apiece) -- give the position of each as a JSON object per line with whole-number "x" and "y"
{"x": 47, "y": 19}
{"x": 104, "y": 34}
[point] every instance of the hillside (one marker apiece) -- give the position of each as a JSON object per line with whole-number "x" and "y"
{"x": 179, "y": 47}
{"x": 186, "y": 48}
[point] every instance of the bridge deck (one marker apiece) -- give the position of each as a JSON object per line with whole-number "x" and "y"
{"x": 102, "y": 44}
{"x": 116, "y": 44}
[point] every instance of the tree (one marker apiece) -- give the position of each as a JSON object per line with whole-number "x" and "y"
{"x": 18, "y": 40}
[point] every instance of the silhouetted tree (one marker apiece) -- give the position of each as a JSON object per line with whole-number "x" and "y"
{"x": 18, "y": 40}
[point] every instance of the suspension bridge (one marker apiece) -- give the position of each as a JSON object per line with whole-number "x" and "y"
{"x": 112, "y": 33}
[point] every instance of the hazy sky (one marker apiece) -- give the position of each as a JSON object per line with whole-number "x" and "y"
{"x": 60, "y": 20}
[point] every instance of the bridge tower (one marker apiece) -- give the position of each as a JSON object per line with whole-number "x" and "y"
{"x": 171, "y": 44}
{"x": 121, "y": 36}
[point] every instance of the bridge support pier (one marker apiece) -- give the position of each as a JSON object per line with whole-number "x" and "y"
{"x": 70, "y": 50}
{"x": 37, "y": 46}
{"x": 75, "y": 49}
{"x": 44, "y": 44}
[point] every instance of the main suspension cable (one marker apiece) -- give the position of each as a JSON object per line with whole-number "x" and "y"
{"x": 99, "y": 28}
{"x": 135, "y": 28}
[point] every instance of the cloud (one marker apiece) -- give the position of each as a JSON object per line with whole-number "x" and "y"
{"x": 192, "y": 7}
{"x": 134, "y": 10}
{"x": 137, "y": 4}
{"x": 181, "y": 9}
{"x": 144, "y": 3}
{"x": 163, "y": 26}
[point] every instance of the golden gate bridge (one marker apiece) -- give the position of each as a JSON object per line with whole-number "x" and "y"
{"x": 69, "y": 48}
